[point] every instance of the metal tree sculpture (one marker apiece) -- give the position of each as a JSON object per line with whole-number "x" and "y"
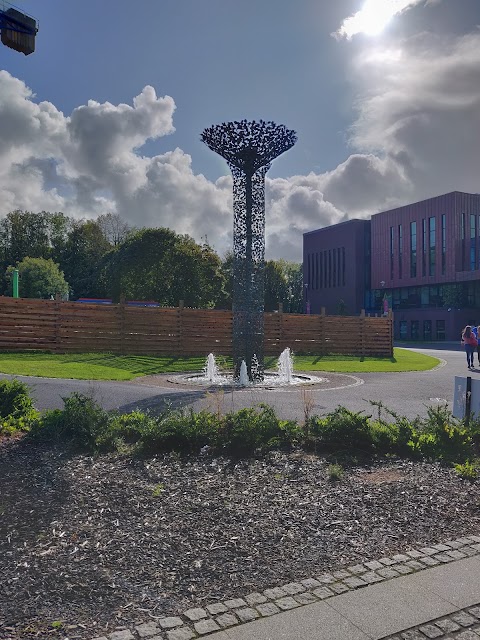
{"x": 249, "y": 148}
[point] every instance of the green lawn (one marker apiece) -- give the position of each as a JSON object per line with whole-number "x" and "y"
{"x": 403, "y": 360}
{"x": 104, "y": 366}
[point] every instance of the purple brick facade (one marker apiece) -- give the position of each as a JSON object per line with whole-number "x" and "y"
{"x": 334, "y": 267}
{"x": 423, "y": 258}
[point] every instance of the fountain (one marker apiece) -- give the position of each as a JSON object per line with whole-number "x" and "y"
{"x": 243, "y": 377}
{"x": 285, "y": 366}
{"x": 211, "y": 369}
{"x": 284, "y": 377}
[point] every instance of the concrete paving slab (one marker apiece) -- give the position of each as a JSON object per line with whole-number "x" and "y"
{"x": 312, "y": 622}
{"x": 458, "y": 582}
{"x": 389, "y": 607}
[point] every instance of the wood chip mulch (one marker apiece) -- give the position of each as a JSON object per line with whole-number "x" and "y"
{"x": 108, "y": 541}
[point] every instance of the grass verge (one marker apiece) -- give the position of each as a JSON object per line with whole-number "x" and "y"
{"x": 105, "y": 366}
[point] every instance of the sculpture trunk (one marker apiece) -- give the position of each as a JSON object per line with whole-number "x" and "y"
{"x": 248, "y": 272}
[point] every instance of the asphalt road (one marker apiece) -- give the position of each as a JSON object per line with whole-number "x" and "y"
{"x": 406, "y": 393}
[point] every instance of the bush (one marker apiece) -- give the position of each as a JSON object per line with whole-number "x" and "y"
{"x": 17, "y": 412}
{"x": 384, "y": 436}
{"x": 335, "y": 472}
{"x": 180, "y": 431}
{"x": 254, "y": 429}
{"x": 342, "y": 429}
{"x": 468, "y": 470}
{"x": 80, "y": 423}
{"x": 123, "y": 431}
{"x": 441, "y": 437}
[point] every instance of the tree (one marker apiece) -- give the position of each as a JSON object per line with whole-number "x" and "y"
{"x": 82, "y": 258}
{"x": 115, "y": 230}
{"x": 158, "y": 264}
{"x": 39, "y": 278}
{"x": 283, "y": 284}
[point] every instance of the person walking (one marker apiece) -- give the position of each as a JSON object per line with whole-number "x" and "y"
{"x": 478, "y": 345}
{"x": 470, "y": 343}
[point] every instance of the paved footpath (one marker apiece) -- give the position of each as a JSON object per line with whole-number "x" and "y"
{"x": 430, "y": 592}
{"x": 441, "y": 602}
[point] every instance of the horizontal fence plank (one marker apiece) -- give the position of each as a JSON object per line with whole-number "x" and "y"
{"x": 119, "y": 328}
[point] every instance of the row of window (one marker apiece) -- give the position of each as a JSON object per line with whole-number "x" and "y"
{"x": 456, "y": 295}
{"x": 428, "y": 248}
{"x": 326, "y": 269}
{"x": 470, "y": 255}
{"x": 401, "y": 330}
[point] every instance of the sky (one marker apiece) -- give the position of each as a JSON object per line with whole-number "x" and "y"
{"x": 106, "y": 115}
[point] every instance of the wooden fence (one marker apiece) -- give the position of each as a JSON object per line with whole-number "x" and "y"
{"x": 64, "y": 327}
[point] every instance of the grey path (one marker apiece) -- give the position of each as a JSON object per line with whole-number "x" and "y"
{"x": 405, "y": 393}
{"x": 376, "y": 611}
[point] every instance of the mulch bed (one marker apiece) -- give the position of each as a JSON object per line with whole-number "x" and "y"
{"x": 98, "y": 543}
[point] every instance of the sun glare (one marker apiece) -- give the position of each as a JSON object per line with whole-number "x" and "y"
{"x": 373, "y": 17}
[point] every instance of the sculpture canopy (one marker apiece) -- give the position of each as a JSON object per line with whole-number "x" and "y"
{"x": 249, "y": 145}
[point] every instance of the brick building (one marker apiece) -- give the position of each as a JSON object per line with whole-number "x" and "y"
{"x": 423, "y": 260}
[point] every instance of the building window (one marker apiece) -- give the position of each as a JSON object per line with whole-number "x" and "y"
{"x": 316, "y": 271}
{"x": 478, "y": 233}
{"x": 403, "y": 329}
{"x": 431, "y": 246}
{"x": 339, "y": 267}
{"x": 414, "y": 329}
{"x": 400, "y": 250}
{"x": 473, "y": 241}
{"x": 392, "y": 243}
{"x": 309, "y": 267}
{"x": 424, "y": 247}
{"x": 343, "y": 266}
{"x": 320, "y": 270}
{"x": 440, "y": 329}
{"x": 413, "y": 249}
{"x": 329, "y": 267}
{"x": 444, "y": 243}
{"x": 427, "y": 330}
{"x": 325, "y": 270}
{"x": 334, "y": 267}
{"x": 462, "y": 237}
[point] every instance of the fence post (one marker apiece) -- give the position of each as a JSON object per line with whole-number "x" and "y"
{"x": 362, "y": 332}
{"x": 58, "y": 323}
{"x": 392, "y": 332}
{"x": 181, "y": 304}
{"x": 280, "y": 326}
{"x": 322, "y": 321}
{"x": 121, "y": 312}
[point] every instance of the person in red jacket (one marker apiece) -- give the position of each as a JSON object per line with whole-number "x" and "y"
{"x": 470, "y": 343}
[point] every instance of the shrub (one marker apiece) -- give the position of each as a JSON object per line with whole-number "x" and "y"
{"x": 442, "y": 437}
{"x": 123, "y": 431}
{"x": 335, "y": 472}
{"x": 467, "y": 470}
{"x": 17, "y": 412}
{"x": 79, "y": 423}
{"x": 342, "y": 429}
{"x": 254, "y": 429}
{"x": 384, "y": 436}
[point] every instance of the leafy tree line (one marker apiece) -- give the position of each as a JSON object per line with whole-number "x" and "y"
{"x": 105, "y": 257}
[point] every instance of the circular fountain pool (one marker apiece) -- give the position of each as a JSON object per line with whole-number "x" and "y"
{"x": 212, "y": 377}
{"x": 271, "y": 380}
